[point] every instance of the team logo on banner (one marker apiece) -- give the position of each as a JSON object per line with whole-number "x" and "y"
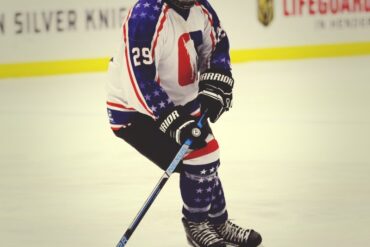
{"x": 265, "y": 11}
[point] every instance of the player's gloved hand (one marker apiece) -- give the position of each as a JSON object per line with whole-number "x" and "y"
{"x": 181, "y": 126}
{"x": 215, "y": 92}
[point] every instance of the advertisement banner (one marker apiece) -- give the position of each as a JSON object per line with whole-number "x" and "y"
{"x": 50, "y": 30}
{"x": 43, "y": 32}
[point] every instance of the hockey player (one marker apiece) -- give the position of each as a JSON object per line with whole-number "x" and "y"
{"x": 172, "y": 64}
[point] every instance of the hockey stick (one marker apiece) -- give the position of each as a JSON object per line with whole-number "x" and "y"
{"x": 162, "y": 181}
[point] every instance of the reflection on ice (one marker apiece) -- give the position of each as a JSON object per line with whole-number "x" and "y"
{"x": 294, "y": 149}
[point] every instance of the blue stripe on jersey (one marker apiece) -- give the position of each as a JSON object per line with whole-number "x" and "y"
{"x": 221, "y": 57}
{"x": 207, "y": 5}
{"x": 120, "y": 117}
{"x": 144, "y": 18}
{"x": 197, "y": 38}
{"x": 142, "y": 31}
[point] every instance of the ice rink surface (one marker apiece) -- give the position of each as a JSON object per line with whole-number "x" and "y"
{"x": 295, "y": 152}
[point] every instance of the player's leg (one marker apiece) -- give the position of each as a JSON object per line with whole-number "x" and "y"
{"x": 204, "y": 198}
{"x": 197, "y": 180}
{"x": 144, "y": 136}
{"x": 230, "y": 232}
{"x": 218, "y": 213}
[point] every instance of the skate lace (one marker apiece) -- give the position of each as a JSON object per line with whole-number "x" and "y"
{"x": 204, "y": 233}
{"x": 233, "y": 233}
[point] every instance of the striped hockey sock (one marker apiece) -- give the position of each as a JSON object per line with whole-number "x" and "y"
{"x": 202, "y": 193}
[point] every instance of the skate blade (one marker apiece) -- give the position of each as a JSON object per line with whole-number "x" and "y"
{"x": 233, "y": 245}
{"x": 191, "y": 242}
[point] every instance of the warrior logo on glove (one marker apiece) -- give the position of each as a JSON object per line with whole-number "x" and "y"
{"x": 215, "y": 92}
{"x": 168, "y": 121}
{"x": 180, "y": 126}
{"x": 210, "y": 76}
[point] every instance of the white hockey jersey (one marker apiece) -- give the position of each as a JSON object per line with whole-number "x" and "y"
{"x": 161, "y": 54}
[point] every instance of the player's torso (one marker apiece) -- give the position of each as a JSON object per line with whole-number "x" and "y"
{"x": 178, "y": 60}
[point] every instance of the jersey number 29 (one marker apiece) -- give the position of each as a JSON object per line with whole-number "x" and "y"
{"x": 142, "y": 56}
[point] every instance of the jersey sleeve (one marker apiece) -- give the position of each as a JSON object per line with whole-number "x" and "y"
{"x": 216, "y": 49}
{"x": 142, "y": 53}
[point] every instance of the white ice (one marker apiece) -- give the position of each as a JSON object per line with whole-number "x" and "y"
{"x": 295, "y": 153}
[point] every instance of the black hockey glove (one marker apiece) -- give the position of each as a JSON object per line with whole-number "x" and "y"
{"x": 215, "y": 92}
{"x": 181, "y": 126}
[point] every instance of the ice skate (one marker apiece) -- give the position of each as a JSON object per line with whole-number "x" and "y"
{"x": 234, "y": 235}
{"x": 202, "y": 234}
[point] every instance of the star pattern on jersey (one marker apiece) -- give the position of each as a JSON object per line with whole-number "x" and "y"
{"x": 146, "y": 10}
{"x": 143, "y": 23}
{"x": 155, "y": 97}
{"x": 222, "y": 61}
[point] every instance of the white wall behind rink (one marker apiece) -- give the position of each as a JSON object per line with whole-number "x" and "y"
{"x": 41, "y": 30}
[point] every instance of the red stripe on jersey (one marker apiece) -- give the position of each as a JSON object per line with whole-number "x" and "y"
{"x": 210, "y": 148}
{"x": 129, "y": 69}
{"x": 186, "y": 73}
{"x": 205, "y": 11}
{"x": 162, "y": 21}
{"x": 120, "y": 106}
